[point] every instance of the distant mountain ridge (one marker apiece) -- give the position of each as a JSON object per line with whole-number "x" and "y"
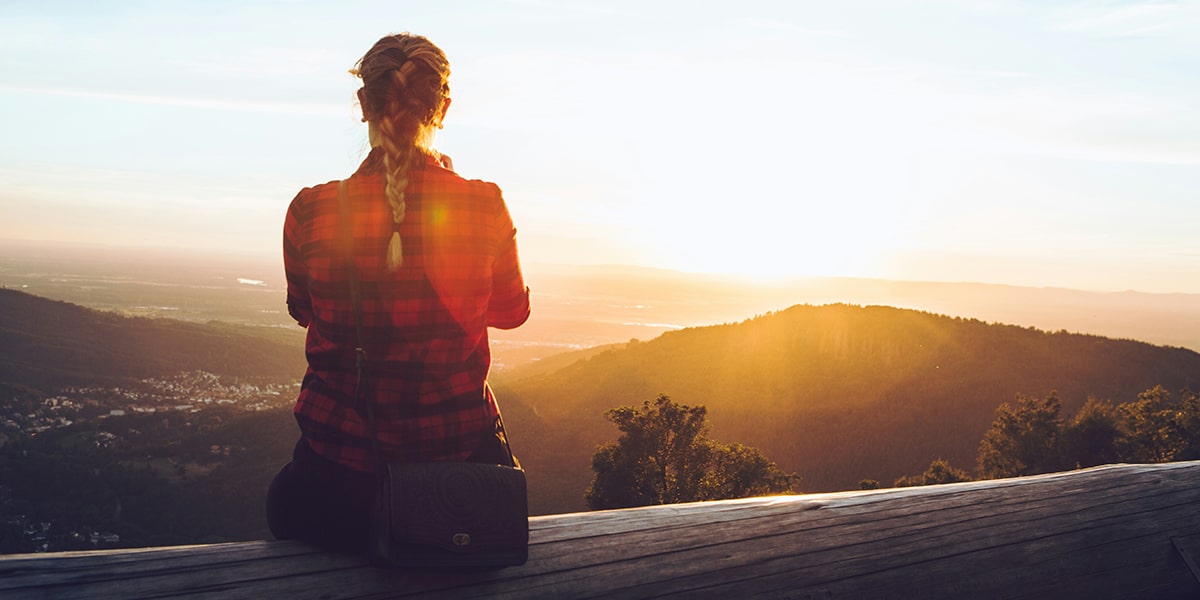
{"x": 46, "y": 344}
{"x": 836, "y": 392}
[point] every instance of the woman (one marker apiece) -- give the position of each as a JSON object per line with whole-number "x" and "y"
{"x": 436, "y": 263}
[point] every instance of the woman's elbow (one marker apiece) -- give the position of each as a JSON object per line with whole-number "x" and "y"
{"x": 509, "y": 315}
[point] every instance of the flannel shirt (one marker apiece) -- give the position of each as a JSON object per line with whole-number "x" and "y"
{"x": 424, "y": 324}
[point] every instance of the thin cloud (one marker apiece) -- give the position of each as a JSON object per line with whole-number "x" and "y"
{"x": 1123, "y": 21}
{"x": 995, "y": 74}
{"x": 588, "y": 8}
{"x": 778, "y": 25}
{"x": 289, "y": 108}
{"x": 1147, "y": 31}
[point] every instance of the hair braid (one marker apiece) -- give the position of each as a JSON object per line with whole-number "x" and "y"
{"x": 397, "y": 162}
{"x": 404, "y": 89}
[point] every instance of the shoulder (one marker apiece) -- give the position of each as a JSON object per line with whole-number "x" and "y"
{"x": 479, "y": 193}
{"x": 308, "y": 198}
{"x": 314, "y": 192}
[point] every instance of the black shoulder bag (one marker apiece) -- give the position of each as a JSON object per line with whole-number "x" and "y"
{"x": 438, "y": 514}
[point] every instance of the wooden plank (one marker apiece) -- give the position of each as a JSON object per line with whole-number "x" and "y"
{"x": 83, "y": 567}
{"x": 816, "y": 564}
{"x": 839, "y": 520}
{"x": 830, "y": 556}
{"x": 1107, "y": 531}
{"x": 1188, "y": 548}
{"x": 708, "y": 562}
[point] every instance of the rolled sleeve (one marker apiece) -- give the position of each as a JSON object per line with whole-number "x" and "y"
{"x": 508, "y": 307}
{"x": 299, "y": 302}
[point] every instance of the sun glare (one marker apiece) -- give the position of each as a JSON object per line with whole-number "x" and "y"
{"x": 839, "y": 223}
{"x": 822, "y": 181}
{"x": 783, "y": 246}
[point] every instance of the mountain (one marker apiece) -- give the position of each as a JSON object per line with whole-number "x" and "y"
{"x": 632, "y": 302}
{"x": 46, "y": 344}
{"x": 837, "y": 393}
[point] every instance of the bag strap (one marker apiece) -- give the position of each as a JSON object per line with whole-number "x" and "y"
{"x": 362, "y": 404}
{"x": 512, "y": 459}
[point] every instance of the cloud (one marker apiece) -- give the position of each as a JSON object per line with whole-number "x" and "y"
{"x": 778, "y": 25}
{"x": 1148, "y": 30}
{"x": 1124, "y": 21}
{"x": 583, "y": 8}
{"x": 270, "y": 107}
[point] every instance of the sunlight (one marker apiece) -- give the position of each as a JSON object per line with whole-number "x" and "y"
{"x": 841, "y": 222}
{"x": 782, "y": 245}
{"x": 825, "y": 181}
{"x": 802, "y": 140}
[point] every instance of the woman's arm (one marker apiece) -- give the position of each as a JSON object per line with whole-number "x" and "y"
{"x": 508, "y": 307}
{"x": 299, "y": 302}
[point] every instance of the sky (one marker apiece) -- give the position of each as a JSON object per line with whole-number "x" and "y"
{"x": 1039, "y": 143}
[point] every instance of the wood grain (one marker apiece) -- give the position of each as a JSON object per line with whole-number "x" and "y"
{"x": 1120, "y": 531}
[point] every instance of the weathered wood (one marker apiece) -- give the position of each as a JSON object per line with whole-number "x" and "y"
{"x": 1189, "y": 551}
{"x": 1122, "y": 531}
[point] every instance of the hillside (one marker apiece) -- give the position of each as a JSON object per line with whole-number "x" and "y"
{"x": 46, "y": 344}
{"x": 836, "y": 393}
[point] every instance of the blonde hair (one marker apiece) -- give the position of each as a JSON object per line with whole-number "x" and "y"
{"x": 405, "y": 86}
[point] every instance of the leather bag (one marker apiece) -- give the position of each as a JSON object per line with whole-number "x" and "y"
{"x": 450, "y": 514}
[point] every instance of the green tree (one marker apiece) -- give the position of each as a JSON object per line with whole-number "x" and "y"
{"x": 1187, "y": 424}
{"x": 1033, "y": 438}
{"x": 1093, "y": 436}
{"x": 664, "y": 456}
{"x": 1159, "y": 429}
{"x": 740, "y": 471}
{"x": 1023, "y": 440}
{"x": 939, "y": 472}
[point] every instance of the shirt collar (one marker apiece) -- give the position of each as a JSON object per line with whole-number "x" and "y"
{"x": 373, "y": 163}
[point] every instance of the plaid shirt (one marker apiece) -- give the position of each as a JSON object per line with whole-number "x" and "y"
{"x": 424, "y": 325}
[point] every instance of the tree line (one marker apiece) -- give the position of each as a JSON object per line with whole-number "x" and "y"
{"x": 1032, "y": 436}
{"x": 664, "y": 455}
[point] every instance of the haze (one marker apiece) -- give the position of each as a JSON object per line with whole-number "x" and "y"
{"x": 577, "y": 307}
{"x": 1026, "y": 143}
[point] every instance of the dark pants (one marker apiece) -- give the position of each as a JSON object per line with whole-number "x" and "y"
{"x": 316, "y": 500}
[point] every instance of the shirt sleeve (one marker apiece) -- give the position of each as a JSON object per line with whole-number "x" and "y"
{"x": 508, "y": 307}
{"x": 299, "y": 302}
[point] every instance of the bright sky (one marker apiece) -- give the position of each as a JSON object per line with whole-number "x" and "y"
{"x": 1026, "y": 142}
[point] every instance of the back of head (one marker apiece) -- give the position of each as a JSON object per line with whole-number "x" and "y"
{"x": 404, "y": 95}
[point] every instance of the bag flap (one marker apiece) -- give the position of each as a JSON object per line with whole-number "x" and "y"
{"x": 458, "y": 506}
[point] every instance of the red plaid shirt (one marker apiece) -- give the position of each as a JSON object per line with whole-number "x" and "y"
{"x": 424, "y": 325}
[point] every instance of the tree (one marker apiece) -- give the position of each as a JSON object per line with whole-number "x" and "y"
{"x": 1023, "y": 440}
{"x": 1149, "y": 424}
{"x": 939, "y": 472}
{"x": 1187, "y": 424}
{"x": 1093, "y": 436}
{"x": 1159, "y": 429}
{"x": 664, "y": 456}
{"x": 739, "y": 471}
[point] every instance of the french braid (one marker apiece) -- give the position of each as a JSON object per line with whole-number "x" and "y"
{"x": 404, "y": 88}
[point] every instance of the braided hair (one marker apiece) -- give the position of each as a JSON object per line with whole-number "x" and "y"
{"x": 405, "y": 88}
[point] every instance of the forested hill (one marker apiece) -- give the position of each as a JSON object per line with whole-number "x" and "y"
{"x": 837, "y": 393}
{"x": 45, "y": 344}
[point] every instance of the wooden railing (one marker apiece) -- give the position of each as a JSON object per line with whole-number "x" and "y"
{"x": 1121, "y": 531}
